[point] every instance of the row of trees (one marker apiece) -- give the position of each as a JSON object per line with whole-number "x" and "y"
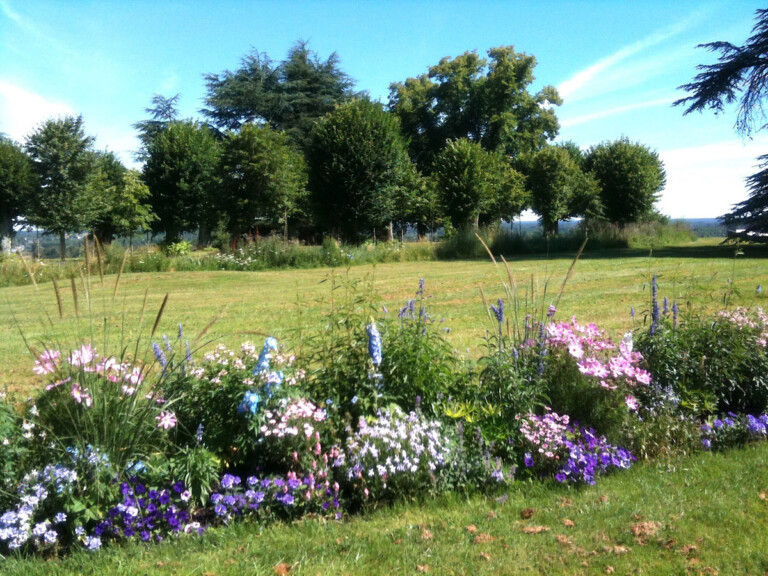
{"x": 464, "y": 144}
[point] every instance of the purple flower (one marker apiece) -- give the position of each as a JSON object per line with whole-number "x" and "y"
{"x": 528, "y": 460}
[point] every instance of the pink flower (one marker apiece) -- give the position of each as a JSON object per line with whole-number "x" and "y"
{"x": 80, "y": 395}
{"x": 46, "y": 362}
{"x": 166, "y": 420}
{"x": 631, "y": 403}
{"x": 82, "y": 357}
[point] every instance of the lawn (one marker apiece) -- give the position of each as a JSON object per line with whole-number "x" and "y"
{"x": 604, "y": 287}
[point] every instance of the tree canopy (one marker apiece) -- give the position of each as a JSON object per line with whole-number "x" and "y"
{"x": 263, "y": 178}
{"x": 474, "y": 184}
{"x": 358, "y": 169}
{"x": 631, "y": 177}
{"x": 62, "y": 162}
{"x": 482, "y": 100}
{"x": 559, "y": 189}
{"x": 180, "y": 171}
{"x": 740, "y": 74}
{"x": 291, "y": 95}
{"x": 15, "y": 184}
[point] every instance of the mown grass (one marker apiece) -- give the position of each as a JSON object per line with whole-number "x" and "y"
{"x": 704, "y": 514}
{"x": 289, "y": 304}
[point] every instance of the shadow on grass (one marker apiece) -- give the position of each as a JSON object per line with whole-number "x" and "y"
{"x": 717, "y": 251}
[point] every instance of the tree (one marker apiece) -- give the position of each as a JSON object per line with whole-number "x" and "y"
{"x": 15, "y": 184}
{"x": 126, "y": 197}
{"x": 289, "y": 96}
{"x": 741, "y": 73}
{"x": 180, "y": 171}
{"x": 476, "y": 185}
{"x": 358, "y": 167}
{"x": 559, "y": 189}
{"x": 263, "y": 178}
{"x": 631, "y": 177}
{"x": 62, "y": 162}
{"x": 484, "y": 101}
{"x": 162, "y": 112}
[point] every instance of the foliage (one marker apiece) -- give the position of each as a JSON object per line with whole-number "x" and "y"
{"x": 263, "y": 179}
{"x": 342, "y": 373}
{"x": 180, "y": 248}
{"x": 125, "y": 195}
{"x": 162, "y": 112}
{"x": 733, "y": 430}
{"x": 631, "y": 177}
{"x": 712, "y": 364}
{"x": 559, "y": 189}
{"x": 289, "y": 96}
{"x": 359, "y": 171}
{"x": 474, "y": 184}
{"x": 484, "y": 101}
{"x": 738, "y": 75}
{"x": 15, "y": 184}
{"x": 101, "y": 403}
{"x": 62, "y": 163}
{"x": 180, "y": 172}
{"x": 420, "y": 366}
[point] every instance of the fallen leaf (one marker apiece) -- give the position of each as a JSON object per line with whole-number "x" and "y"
{"x": 422, "y": 568}
{"x": 689, "y": 549}
{"x": 564, "y": 541}
{"x": 603, "y": 499}
{"x": 471, "y": 528}
{"x": 492, "y": 515}
{"x": 398, "y": 541}
{"x": 621, "y": 549}
{"x": 642, "y": 529}
{"x": 564, "y": 502}
{"x": 568, "y": 523}
{"x": 763, "y": 495}
{"x": 426, "y": 534}
{"x": 230, "y": 561}
{"x": 535, "y": 529}
{"x": 486, "y": 556}
{"x": 483, "y": 538}
{"x": 283, "y": 569}
{"x": 609, "y": 570}
{"x": 528, "y": 513}
{"x": 668, "y": 544}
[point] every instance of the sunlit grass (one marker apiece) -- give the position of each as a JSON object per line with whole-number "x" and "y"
{"x": 249, "y": 305}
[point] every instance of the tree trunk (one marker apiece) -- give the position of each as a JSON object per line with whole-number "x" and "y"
{"x": 62, "y": 247}
{"x": 390, "y": 232}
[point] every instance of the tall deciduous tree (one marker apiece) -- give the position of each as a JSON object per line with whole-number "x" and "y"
{"x": 483, "y": 100}
{"x": 127, "y": 208}
{"x": 631, "y": 177}
{"x": 741, "y": 74}
{"x": 181, "y": 173}
{"x": 15, "y": 184}
{"x": 559, "y": 189}
{"x": 263, "y": 179}
{"x": 62, "y": 161}
{"x": 358, "y": 168}
{"x": 291, "y": 95}
{"x": 476, "y": 185}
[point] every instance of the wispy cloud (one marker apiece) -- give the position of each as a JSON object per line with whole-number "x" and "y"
{"x": 583, "y": 119}
{"x": 577, "y": 87}
{"x": 22, "y": 110}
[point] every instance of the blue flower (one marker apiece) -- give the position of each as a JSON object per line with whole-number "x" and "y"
{"x": 528, "y": 460}
{"x": 498, "y": 310}
{"x": 374, "y": 343}
{"x": 250, "y": 403}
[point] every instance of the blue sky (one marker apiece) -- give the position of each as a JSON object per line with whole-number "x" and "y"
{"x": 616, "y": 63}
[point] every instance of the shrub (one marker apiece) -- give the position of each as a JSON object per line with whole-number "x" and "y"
{"x": 420, "y": 366}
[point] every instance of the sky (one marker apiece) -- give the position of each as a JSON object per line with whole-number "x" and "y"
{"x": 616, "y": 63}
